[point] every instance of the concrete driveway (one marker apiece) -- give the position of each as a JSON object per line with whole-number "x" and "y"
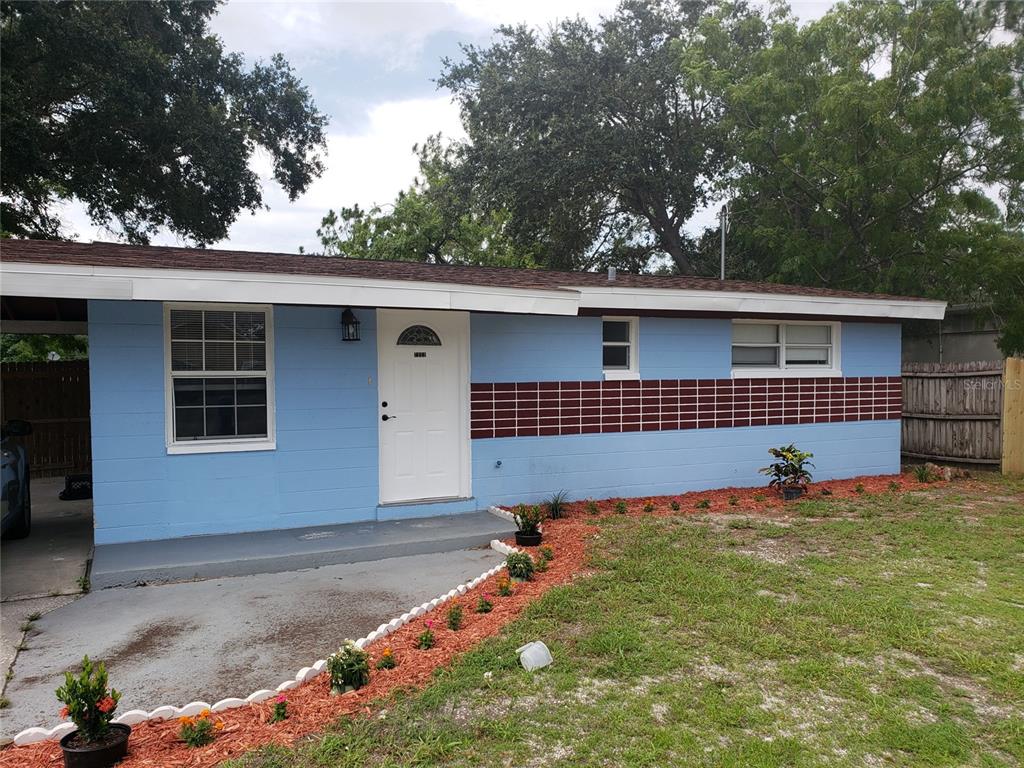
{"x": 208, "y": 640}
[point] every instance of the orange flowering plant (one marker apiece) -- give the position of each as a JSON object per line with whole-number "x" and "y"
{"x": 87, "y": 702}
{"x": 386, "y": 660}
{"x": 200, "y": 730}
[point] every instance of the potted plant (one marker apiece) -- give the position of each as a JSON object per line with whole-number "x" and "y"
{"x": 349, "y": 668}
{"x": 789, "y": 473}
{"x": 528, "y": 520}
{"x": 96, "y": 742}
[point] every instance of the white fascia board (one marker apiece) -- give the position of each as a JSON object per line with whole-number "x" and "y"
{"x": 737, "y": 303}
{"x": 84, "y": 282}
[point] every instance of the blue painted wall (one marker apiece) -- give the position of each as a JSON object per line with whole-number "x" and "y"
{"x": 325, "y": 467}
{"x": 323, "y": 471}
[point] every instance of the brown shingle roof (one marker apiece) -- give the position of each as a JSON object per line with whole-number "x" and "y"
{"x": 163, "y": 257}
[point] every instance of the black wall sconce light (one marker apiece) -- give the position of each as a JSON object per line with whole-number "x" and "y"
{"x": 349, "y": 326}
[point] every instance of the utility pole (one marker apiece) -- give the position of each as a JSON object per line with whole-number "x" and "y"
{"x": 723, "y": 217}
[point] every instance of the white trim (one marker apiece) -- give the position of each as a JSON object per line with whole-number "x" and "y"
{"x": 94, "y": 282}
{"x": 88, "y": 282}
{"x": 465, "y": 444}
{"x": 226, "y": 445}
{"x": 632, "y": 373}
{"x": 749, "y": 303}
{"x": 792, "y": 371}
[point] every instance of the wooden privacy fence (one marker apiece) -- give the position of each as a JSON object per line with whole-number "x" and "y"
{"x": 53, "y": 396}
{"x": 965, "y": 412}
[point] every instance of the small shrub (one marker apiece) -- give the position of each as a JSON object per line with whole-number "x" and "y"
{"x": 280, "y": 711}
{"x": 484, "y": 604}
{"x": 923, "y": 473}
{"x": 734, "y": 500}
{"x": 454, "y": 617}
{"x": 558, "y": 504}
{"x": 894, "y": 486}
{"x": 547, "y": 553}
{"x": 620, "y": 507}
{"x": 200, "y": 730}
{"x": 348, "y": 667}
{"x": 386, "y": 660}
{"x": 791, "y": 467}
{"x": 858, "y": 488}
{"x": 426, "y": 639}
{"x": 648, "y": 507}
{"x": 505, "y": 587}
{"x": 592, "y": 507}
{"x": 520, "y": 566}
{"x": 87, "y": 702}
{"x": 674, "y": 504}
{"x": 540, "y": 566}
{"x": 759, "y": 497}
{"x": 703, "y": 504}
{"x": 528, "y": 519}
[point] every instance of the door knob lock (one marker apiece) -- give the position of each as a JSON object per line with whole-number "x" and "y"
{"x": 385, "y": 417}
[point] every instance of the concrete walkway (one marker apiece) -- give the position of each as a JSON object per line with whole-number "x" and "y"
{"x": 207, "y": 640}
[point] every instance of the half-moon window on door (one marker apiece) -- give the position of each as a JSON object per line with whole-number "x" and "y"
{"x": 418, "y": 336}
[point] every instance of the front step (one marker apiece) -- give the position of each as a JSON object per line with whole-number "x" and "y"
{"x": 243, "y": 554}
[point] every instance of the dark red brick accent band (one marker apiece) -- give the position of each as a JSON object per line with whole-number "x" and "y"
{"x": 580, "y": 407}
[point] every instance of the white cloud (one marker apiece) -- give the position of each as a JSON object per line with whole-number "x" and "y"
{"x": 368, "y": 167}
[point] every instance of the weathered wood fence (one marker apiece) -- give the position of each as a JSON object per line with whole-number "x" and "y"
{"x": 53, "y": 396}
{"x": 965, "y": 412}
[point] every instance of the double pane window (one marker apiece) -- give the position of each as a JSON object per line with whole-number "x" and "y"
{"x": 782, "y": 345}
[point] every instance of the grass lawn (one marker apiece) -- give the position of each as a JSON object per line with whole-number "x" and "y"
{"x": 884, "y": 630}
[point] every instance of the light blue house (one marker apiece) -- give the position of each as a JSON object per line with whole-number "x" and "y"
{"x": 227, "y": 396}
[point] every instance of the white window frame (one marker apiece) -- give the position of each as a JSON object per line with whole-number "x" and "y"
{"x": 623, "y": 374}
{"x": 792, "y": 371}
{"x": 228, "y": 444}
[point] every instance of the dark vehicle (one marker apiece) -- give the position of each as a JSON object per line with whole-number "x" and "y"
{"x": 16, "y": 521}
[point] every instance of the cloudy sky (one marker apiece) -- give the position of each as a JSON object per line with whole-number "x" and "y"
{"x": 371, "y": 67}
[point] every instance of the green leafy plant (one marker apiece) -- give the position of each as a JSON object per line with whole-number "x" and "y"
{"x": 454, "y": 617}
{"x": 280, "y": 710}
{"x": 541, "y": 565}
{"x": 648, "y": 507}
{"x": 348, "y": 667}
{"x": 858, "y": 488}
{"x": 386, "y": 660}
{"x": 703, "y": 504}
{"x": 484, "y": 604}
{"x": 558, "y": 505}
{"x": 547, "y": 553}
{"x": 894, "y": 486}
{"x": 505, "y": 586}
{"x": 759, "y": 497}
{"x": 520, "y": 566}
{"x": 426, "y": 639}
{"x": 734, "y": 500}
{"x": 200, "y": 730}
{"x": 674, "y": 504}
{"x": 790, "y": 469}
{"x": 528, "y": 519}
{"x": 592, "y": 507}
{"x": 923, "y": 473}
{"x": 87, "y": 702}
{"x": 620, "y": 507}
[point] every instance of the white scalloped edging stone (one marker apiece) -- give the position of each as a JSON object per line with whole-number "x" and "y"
{"x": 504, "y": 514}
{"x": 231, "y": 703}
{"x": 132, "y": 717}
{"x": 168, "y": 712}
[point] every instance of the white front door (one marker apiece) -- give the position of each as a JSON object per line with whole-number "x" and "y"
{"x": 423, "y": 386}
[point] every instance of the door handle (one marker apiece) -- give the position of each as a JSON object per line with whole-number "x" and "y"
{"x": 385, "y": 417}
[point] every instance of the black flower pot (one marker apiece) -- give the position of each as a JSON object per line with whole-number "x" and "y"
{"x": 111, "y": 749}
{"x": 528, "y": 539}
{"x": 792, "y": 492}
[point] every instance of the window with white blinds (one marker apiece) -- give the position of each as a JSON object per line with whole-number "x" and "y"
{"x": 784, "y": 347}
{"x": 219, "y": 375}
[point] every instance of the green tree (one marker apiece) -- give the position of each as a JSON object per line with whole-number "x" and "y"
{"x": 38, "y": 348}
{"x": 430, "y": 222}
{"x": 135, "y": 109}
{"x": 594, "y": 139}
{"x": 879, "y": 148}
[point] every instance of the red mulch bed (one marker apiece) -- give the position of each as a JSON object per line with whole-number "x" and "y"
{"x": 310, "y": 706}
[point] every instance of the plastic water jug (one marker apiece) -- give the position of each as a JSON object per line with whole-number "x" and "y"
{"x": 534, "y": 655}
